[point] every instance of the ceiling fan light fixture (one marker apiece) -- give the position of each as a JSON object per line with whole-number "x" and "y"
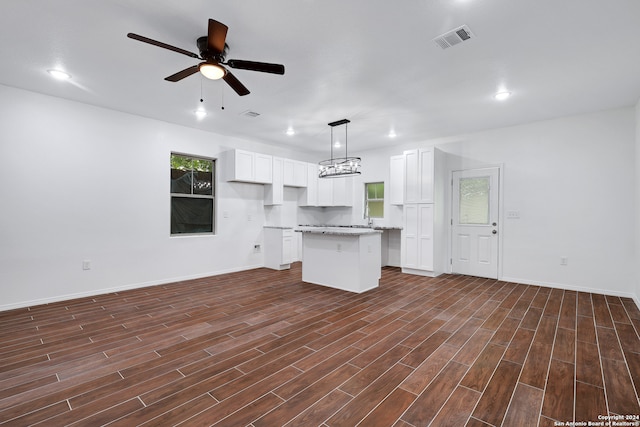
{"x": 212, "y": 70}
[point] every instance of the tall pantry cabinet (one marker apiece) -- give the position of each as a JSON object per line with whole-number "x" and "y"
{"x": 424, "y": 229}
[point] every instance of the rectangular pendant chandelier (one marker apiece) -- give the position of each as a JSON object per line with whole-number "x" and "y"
{"x": 337, "y": 167}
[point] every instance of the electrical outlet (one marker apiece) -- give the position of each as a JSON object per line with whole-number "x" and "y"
{"x": 256, "y": 248}
{"x": 86, "y": 264}
{"x": 513, "y": 214}
{"x": 339, "y": 247}
{"x": 564, "y": 260}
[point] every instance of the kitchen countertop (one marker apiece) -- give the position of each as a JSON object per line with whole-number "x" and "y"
{"x": 375, "y": 227}
{"x": 337, "y": 231}
{"x": 278, "y": 227}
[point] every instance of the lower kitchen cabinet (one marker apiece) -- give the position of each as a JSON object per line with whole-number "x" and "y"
{"x": 417, "y": 239}
{"x": 278, "y": 247}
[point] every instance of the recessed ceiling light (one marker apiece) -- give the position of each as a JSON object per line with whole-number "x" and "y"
{"x": 392, "y": 134}
{"x": 336, "y": 144}
{"x": 290, "y": 131}
{"x": 502, "y": 95}
{"x": 59, "y": 74}
{"x": 200, "y": 113}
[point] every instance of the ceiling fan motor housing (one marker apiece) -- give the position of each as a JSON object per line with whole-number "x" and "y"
{"x": 206, "y": 54}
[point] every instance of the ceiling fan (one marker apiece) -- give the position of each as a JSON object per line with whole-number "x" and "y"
{"x": 213, "y": 51}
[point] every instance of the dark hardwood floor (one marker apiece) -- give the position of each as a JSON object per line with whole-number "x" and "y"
{"x": 262, "y": 348}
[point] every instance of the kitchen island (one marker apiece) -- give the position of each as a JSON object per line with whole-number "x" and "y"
{"x": 341, "y": 257}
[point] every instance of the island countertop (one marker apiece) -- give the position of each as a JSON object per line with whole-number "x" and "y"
{"x": 338, "y": 231}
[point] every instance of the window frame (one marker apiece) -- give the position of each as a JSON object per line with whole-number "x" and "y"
{"x": 367, "y": 200}
{"x": 214, "y": 191}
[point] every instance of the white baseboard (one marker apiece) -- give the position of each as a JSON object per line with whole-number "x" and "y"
{"x": 572, "y": 288}
{"x": 127, "y": 287}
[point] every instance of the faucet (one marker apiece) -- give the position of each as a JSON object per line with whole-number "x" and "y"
{"x": 368, "y": 217}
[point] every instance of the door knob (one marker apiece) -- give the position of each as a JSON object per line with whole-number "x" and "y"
{"x": 494, "y": 232}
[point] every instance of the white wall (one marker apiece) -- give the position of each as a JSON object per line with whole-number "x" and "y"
{"x": 80, "y": 182}
{"x": 84, "y": 183}
{"x": 574, "y": 182}
{"x": 637, "y": 205}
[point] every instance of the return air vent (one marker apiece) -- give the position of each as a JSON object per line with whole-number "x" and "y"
{"x": 453, "y": 37}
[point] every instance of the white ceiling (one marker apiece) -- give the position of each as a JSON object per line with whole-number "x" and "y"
{"x": 371, "y": 61}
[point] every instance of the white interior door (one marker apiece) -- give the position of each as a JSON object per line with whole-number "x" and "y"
{"x": 475, "y": 207}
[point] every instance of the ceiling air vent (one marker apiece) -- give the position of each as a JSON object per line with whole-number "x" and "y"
{"x": 249, "y": 113}
{"x": 453, "y": 37}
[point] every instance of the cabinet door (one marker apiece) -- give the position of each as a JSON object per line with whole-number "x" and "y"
{"x": 411, "y": 177}
{"x": 300, "y": 174}
{"x": 325, "y": 191}
{"x": 425, "y": 175}
{"x": 396, "y": 180}
{"x": 288, "y": 170}
{"x": 263, "y": 168}
{"x": 342, "y": 191}
{"x": 309, "y": 196}
{"x": 243, "y": 165}
{"x": 425, "y": 237}
{"x": 287, "y": 249}
{"x": 410, "y": 237}
{"x": 274, "y": 192}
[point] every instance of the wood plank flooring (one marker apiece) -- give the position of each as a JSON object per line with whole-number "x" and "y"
{"x": 262, "y": 348}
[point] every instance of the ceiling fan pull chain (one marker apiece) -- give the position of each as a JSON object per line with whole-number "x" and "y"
{"x": 201, "y": 99}
{"x": 221, "y": 97}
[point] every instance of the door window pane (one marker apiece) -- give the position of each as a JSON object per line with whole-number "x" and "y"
{"x": 474, "y": 201}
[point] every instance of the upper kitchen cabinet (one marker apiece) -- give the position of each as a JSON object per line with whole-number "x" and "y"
{"x": 342, "y": 193}
{"x": 309, "y": 194}
{"x": 325, "y": 192}
{"x": 274, "y": 192}
{"x": 418, "y": 175}
{"x": 396, "y": 180}
{"x": 295, "y": 173}
{"x": 247, "y": 166}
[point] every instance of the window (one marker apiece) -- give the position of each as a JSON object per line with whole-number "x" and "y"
{"x": 192, "y": 194}
{"x": 474, "y": 201}
{"x": 374, "y": 200}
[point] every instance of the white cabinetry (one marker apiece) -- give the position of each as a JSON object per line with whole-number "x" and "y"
{"x": 419, "y": 175}
{"x": 424, "y": 230}
{"x": 342, "y": 191}
{"x": 247, "y": 166}
{"x": 274, "y": 192}
{"x": 326, "y": 192}
{"x": 309, "y": 195}
{"x": 418, "y": 237}
{"x": 295, "y": 173}
{"x": 396, "y": 180}
{"x": 278, "y": 248}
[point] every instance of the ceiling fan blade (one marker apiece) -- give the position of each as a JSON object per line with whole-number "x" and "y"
{"x": 162, "y": 45}
{"x": 235, "y": 84}
{"x": 216, "y": 36}
{"x": 256, "y": 66}
{"x": 182, "y": 74}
